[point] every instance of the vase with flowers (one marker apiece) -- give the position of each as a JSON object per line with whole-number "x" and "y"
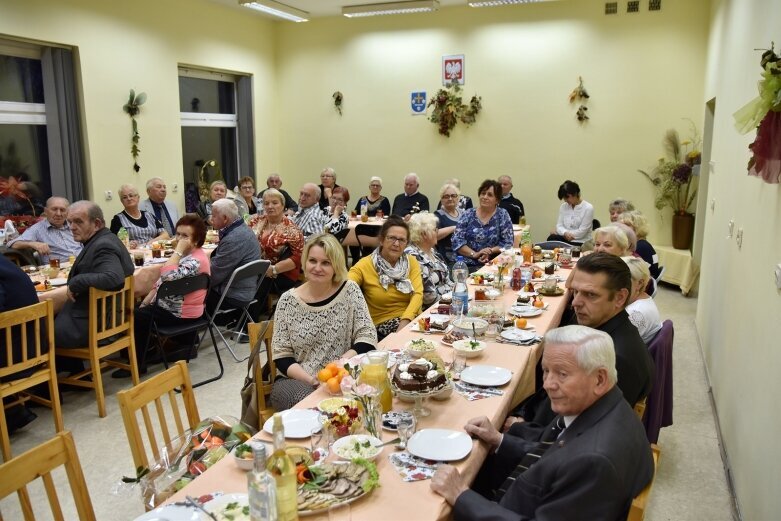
{"x": 674, "y": 179}
{"x": 503, "y": 261}
{"x": 367, "y": 397}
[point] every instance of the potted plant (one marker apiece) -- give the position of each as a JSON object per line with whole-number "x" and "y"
{"x": 674, "y": 181}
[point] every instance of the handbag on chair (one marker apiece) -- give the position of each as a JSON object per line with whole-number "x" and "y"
{"x": 249, "y": 391}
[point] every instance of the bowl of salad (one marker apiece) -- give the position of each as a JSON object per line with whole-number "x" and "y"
{"x": 419, "y": 346}
{"x": 470, "y": 348}
{"x": 243, "y": 457}
{"x": 357, "y": 446}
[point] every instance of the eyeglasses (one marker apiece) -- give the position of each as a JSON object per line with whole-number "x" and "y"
{"x": 396, "y": 240}
{"x": 128, "y": 196}
{"x": 248, "y": 187}
{"x": 450, "y": 196}
{"x": 325, "y": 175}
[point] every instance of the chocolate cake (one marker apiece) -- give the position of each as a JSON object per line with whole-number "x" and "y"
{"x": 419, "y": 376}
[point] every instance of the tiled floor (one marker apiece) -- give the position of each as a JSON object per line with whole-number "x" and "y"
{"x": 690, "y": 484}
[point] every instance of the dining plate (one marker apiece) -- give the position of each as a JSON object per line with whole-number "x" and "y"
{"x": 60, "y": 281}
{"x": 486, "y": 375}
{"x": 298, "y": 423}
{"x": 517, "y": 335}
{"x": 526, "y": 311}
{"x": 440, "y": 444}
{"x": 172, "y": 512}
{"x": 229, "y": 506}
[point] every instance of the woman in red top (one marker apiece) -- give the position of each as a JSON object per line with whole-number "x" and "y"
{"x": 281, "y": 242}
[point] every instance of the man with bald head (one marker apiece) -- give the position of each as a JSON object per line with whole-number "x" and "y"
{"x": 512, "y": 204}
{"x": 588, "y": 463}
{"x": 311, "y": 219}
{"x": 411, "y": 200}
{"x": 51, "y": 238}
{"x": 164, "y": 211}
{"x": 103, "y": 263}
{"x": 274, "y": 181}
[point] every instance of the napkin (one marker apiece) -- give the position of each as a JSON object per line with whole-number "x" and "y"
{"x": 531, "y": 341}
{"x": 413, "y": 468}
{"x": 474, "y": 392}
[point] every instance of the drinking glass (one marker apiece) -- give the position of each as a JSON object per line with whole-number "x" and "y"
{"x": 405, "y": 427}
{"x": 456, "y": 310}
{"x": 319, "y": 443}
{"x": 459, "y": 362}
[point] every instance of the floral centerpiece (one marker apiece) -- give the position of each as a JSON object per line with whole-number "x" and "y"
{"x": 503, "y": 261}
{"x": 367, "y": 397}
{"x": 674, "y": 181}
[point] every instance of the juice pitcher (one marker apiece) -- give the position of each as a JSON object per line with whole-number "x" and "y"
{"x": 374, "y": 372}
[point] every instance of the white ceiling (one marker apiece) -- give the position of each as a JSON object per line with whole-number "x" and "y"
{"x": 321, "y": 8}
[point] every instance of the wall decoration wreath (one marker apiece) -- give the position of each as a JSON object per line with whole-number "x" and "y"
{"x": 132, "y": 108}
{"x": 449, "y": 108}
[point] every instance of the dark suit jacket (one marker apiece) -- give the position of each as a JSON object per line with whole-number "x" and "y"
{"x": 594, "y": 470}
{"x": 16, "y": 291}
{"x": 103, "y": 263}
{"x": 403, "y": 203}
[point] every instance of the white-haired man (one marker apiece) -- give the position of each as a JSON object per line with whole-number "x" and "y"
{"x": 411, "y": 200}
{"x": 588, "y": 463}
{"x": 164, "y": 211}
{"x": 274, "y": 181}
{"x": 512, "y": 204}
{"x": 312, "y": 219}
{"x": 51, "y": 238}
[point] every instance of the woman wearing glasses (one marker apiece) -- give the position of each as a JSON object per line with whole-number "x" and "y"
{"x": 483, "y": 232}
{"x": 141, "y": 226}
{"x": 327, "y": 185}
{"x": 448, "y": 214}
{"x": 390, "y": 280}
{"x": 247, "y": 192}
{"x": 374, "y": 201}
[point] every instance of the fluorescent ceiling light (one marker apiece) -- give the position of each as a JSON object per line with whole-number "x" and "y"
{"x": 415, "y": 6}
{"x": 494, "y": 3}
{"x": 276, "y": 9}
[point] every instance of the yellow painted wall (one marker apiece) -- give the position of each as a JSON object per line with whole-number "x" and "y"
{"x": 739, "y": 306}
{"x": 140, "y": 44}
{"x": 644, "y": 73}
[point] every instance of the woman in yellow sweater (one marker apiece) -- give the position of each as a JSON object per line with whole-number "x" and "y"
{"x": 390, "y": 280}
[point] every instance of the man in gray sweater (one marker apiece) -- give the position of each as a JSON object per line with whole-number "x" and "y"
{"x": 237, "y": 246}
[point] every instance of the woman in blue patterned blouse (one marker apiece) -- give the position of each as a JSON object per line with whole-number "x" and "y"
{"x": 484, "y": 231}
{"x": 433, "y": 268}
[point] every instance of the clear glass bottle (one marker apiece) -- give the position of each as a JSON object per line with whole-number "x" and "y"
{"x": 284, "y": 471}
{"x": 262, "y": 488}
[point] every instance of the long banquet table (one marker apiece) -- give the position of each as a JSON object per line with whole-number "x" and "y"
{"x": 396, "y": 499}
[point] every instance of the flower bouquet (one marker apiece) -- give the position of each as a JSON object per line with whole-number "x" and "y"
{"x": 367, "y": 398}
{"x": 503, "y": 261}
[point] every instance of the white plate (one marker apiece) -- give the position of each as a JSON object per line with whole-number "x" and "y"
{"x": 486, "y": 375}
{"x": 517, "y": 335}
{"x": 526, "y": 311}
{"x": 61, "y": 281}
{"x": 172, "y": 513}
{"x": 347, "y": 441}
{"x": 216, "y": 505}
{"x": 440, "y": 444}
{"x": 529, "y": 294}
{"x": 299, "y": 423}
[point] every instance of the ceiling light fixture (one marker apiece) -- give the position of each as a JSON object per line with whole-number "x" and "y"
{"x": 415, "y": 6}
{"x": 276, "y": 9}
{"x": 495, "y": 3}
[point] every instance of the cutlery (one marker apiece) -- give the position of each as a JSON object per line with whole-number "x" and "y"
{"x": 197, "y": 504}
{"x": 391, "y": 442}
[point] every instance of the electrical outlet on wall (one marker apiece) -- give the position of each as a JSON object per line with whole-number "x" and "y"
{"x": 109, "y": 195}
{"x": 175, "y": 187}
{"x": 730, "y": 228}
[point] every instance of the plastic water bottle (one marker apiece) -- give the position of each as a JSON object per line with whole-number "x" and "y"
{"x": 262, "y": 488}
{"x": 460, "y": 292}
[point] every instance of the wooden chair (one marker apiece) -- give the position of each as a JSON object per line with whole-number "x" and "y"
{"x": 264, "y": 374}
{"x": 110, "y": 331}
{"x": 29, "y": 361}
{"x": 39, "y": 462}
{"x": 640, "y": 408}
{"x": 151, "y": 393}
{"x": 637, "y": 510}
{"x": 22, "y": 256}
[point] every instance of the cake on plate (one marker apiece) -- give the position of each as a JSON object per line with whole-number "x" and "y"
{"x": 421, "y": 375}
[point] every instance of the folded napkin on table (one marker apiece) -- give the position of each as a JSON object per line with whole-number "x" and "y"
{"x": 475, "y": 392}
{"x": 413, "y": 468}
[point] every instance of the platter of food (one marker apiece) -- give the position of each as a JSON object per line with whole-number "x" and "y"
{"x": 332, "y": 484}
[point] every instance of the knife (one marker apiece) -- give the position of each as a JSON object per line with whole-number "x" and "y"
{"x": 391, "y": 442}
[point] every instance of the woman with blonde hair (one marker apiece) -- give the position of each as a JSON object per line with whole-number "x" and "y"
{"x": 448, "y": 215}
{"x": 642, "y": 309}
{"x": 324, "y": 319}
{"x": 638, "y": 222}
{"x": 612, "y": 239}
{"x": 433, "y": 269}
{"x": 374, "y": 201}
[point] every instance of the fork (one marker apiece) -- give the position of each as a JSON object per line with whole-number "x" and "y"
{"x": 197, "y": 504}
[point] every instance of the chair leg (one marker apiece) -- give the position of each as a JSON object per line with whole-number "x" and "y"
{"x": 5, "y": 438}
{"x": 230, "y": 349}
{"x": 219, "y": 360}
{"x": 54, "y": 398}
{"x": 97, "y": 382}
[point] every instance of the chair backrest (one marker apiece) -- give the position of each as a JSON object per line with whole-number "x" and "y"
{"x": 640, "y": 408}
{"x": 264, "y": 374}
{"x": 111, "y": 313}
{"x": 637, "y": 510}
{"x": 150, "y": 394}
{"x": 549, "y": 245}
{"x": 182, "y": 287}
{"x": 39, "y": 462}
{"x": 256, "y": 268}
{"x": 366, "y": 235}
{"x": 31, "y": 333}
{"x": 341, "y": 235}
{"x": 659, "y": 406}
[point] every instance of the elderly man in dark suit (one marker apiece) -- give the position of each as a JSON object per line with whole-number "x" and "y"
{"x": 588, "y": 463}
{"x": 103, "y": 263}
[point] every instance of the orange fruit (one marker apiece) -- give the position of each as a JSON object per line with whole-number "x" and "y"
{"x": 342, "y": 373}
{"x": 333, "y": 368}
{"x": 521, "y": 323}
{"x": 323, "y": 375}
{"x": 333, "y": 385}
{"x": 538, "y": 303}
{"x": 537, "y": 274}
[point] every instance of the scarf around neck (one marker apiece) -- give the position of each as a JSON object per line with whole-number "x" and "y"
{"x": 397, "y": 275}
